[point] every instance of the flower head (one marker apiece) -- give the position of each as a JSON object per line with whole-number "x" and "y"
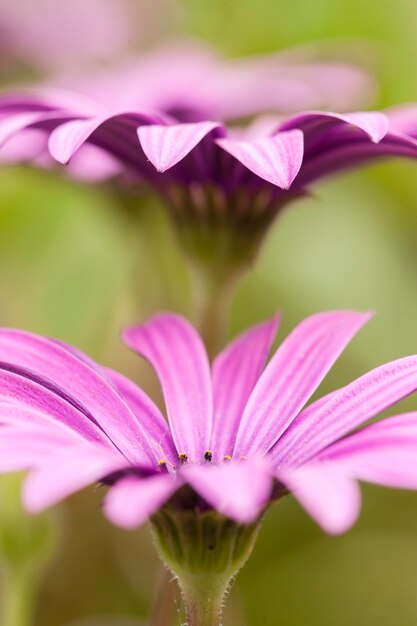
{"x": 144, "y": 125}
{"x": 218, "y": 183}
{"x": 238, "y": 434}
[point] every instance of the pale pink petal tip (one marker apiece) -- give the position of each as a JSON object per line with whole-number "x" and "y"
{"x": 330, "y": 498}
{"x": 277, "y": 159}
{"x": 239, "y": 490}
{"x": 165, "y": 146}
{"x": 132, "y": 501}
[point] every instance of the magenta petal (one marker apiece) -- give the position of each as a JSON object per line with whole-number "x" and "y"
{"x": 132, "y": 500}
{"x": 65, "y": 140}
{"x": 147, "y": 414}
{"x": 235, "y": 373}
{"x": 31, "y": 446}
{"x": 19, "y": 389}
{"x": 292, "y": 376}
{"x": 165, "y": 146}
{"x": 12, "y": 124}
{"x": 373, "y": 123}
{"x": 59, "y": 365}
{"x": 176, "y": 352}
{"x": 19, "y": 415}
{"x": 67, "y": 472}
{"x": 403, "y": 119}
{"x": 330, "y": 498}
{"x": 384, "y": 453}
{"x": 319, "y": 426}
{"x": 239, "y": 490}
{"x": 276, "y": 159}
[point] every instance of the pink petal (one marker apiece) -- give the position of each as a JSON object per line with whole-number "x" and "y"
{"x": 321, "y": 425}
{"x": 329, "y": 497}
{"x": 165, "y": 146}
{"x": 239, "y": 490}
{"x": 374, "y": 124}
{"x": 19, "y": 389}
{"x": 176, "y": 352}
{"x": 403, "y": 119}
{"x": 292, "y": 376}
{"x": 147, "y": 414}
{"x": 19, "y": 415}
{"x": 31, "y": 446}
{"x": 235, "y": 373}
{"x": 68, "y": 472}
{"x": 384, "y": 453}
{"x": 65, "y": 140}
{"x": 10, "y": 125}
{"x": 75, "y": 377}
{"x": 276, "y": 159}
{"x": 132, "y": 500}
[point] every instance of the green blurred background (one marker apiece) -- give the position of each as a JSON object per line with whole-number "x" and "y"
{"x": 70, "y": 267}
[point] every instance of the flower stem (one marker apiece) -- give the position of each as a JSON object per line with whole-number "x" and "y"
{"x": 17, "y": 599}
{"x": 212, "y": 296}
{"x": 204, "y": 551}
{"x": 204, "y": 600}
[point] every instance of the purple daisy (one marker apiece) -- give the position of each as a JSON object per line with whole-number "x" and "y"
{"x": 206, "y": 173}
{"x": 238, "y": 434}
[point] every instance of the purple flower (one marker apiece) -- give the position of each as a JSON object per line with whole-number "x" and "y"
{"x": 238, "y": 433}
{"x": 202, "y": 169}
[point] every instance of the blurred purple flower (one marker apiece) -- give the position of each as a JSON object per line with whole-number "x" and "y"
{"x": 237, "y": 432}
{"x": 165, "y": 79}
{"x": 40, "y": 34}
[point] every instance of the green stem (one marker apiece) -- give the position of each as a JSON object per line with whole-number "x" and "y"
{"x": 212, "y": 296}
{"x": 18, "y": 599}
{"x": 204, "y": 550}
{"x": 203, "y": 600}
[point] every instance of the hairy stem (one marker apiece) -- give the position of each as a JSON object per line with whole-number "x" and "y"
{"x": 204, "y": 600}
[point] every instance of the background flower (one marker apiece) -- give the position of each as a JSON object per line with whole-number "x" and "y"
{"x": 39, "y": 36}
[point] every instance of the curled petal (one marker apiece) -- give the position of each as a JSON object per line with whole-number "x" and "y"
{"x": 65, "y": 140}
{"x": 374, "y": 124}
{"x": 276, "y": 159}
{"x": 165, "y": 146}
